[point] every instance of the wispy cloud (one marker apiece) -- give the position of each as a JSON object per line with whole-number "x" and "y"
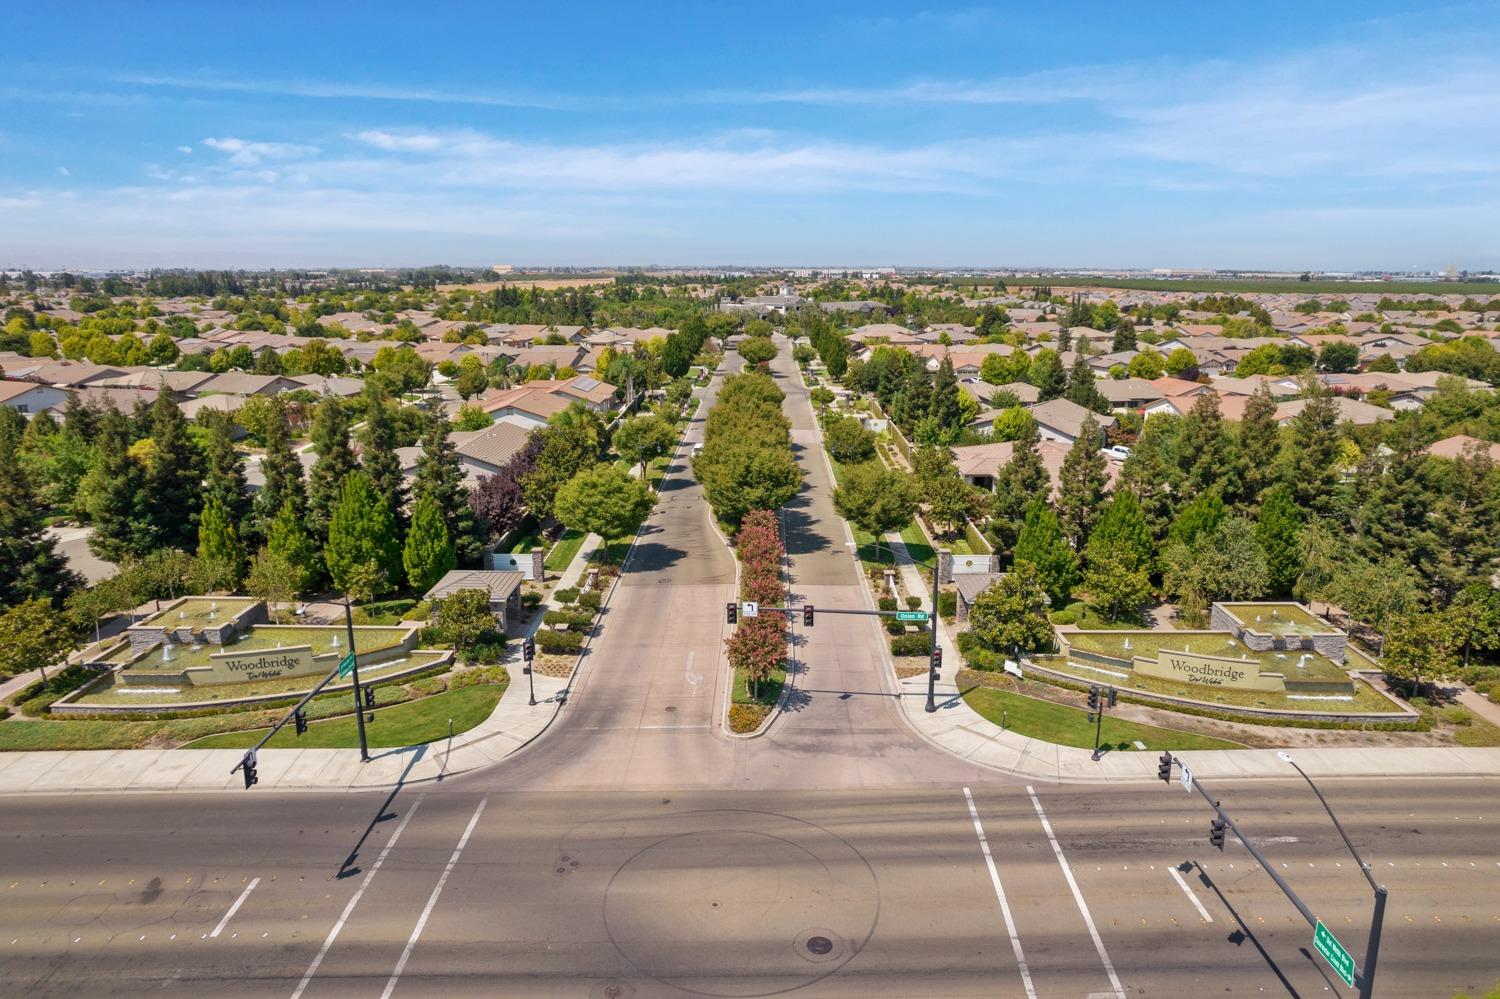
{"x": 243, "y": 152}
{"x": 341, "y": 90}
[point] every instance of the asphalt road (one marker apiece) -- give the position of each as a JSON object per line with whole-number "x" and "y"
{"x": 721, "y": 893}
{"x": 635, "y": 850}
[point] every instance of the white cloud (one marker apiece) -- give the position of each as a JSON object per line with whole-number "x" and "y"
{"x": 63, "y": 171}
{"x": 242, "y": 152}
{"x": 335, "y": 90}
{"x": 184, "y": 149}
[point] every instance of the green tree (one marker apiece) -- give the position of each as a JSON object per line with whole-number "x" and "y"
{"x": 945, "y": 408}
{"x": 1122, "y": 527}
{"x": 1081, "y": 484}
{"x": 1473, "y": 618}
{"x": 471, "y": 417}
{"x": 1225, "y": 564}
{"x": 379, "y": 459}
{"x": 1081, "y": 388}
{"x": 219, "y": 549}
{"x": 1338, "y": 355}
{"x": 1182, "y": 363}
{"x": 741, "y": 476}
{"x": 1041, "y": 543}
{"x": 848, "y": 441}
{"x": 273, "y": 579}
{"x": 1315, "y": 455}
{"x": 363, "y": 554}
{"x": 118, "y": 503}
{"x": 428, "y": 554}
{"x": 1014, "y": 423}
{"x": 642, "y": 438}
{"x": 1011, "y": 613}
{"x": 330, "y": 439}
{"x": 1464, "y": 523}
{"x": 604, "y": 500}
{"x": 463, "y": 617}
{"x": 876, "y": 499}
{"x": 1260, "y": 447}
{"x": 472, "y": 378}
{"x": 30, "y": 566}
{"x": 440, "y": 476}
{"x": 1198, "y": 519}
{"x": 1116, "y": 580}
{"x": 32, "y": 636}
{"x": 174, "y": 478}
{"x": 1279, "y": 532}
{"x": 1148, "y": 364}
{"x": 280, "y": 468}
{"x": 1419, "y": 645}
{"x": 288, "y": 541}
{"x": 1204, "y": 451}
{"x": 224, "y": 473}
{"x": 1047, "y": 374}
{"x": 1019, "y": 481}
{"x": 566, "y": 450}
{"x": 758, "y": 350}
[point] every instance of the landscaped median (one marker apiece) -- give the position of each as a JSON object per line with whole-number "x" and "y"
{"x": 757, "y": 650}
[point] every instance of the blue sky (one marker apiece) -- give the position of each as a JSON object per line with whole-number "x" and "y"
{"x": 1271, "y": 135}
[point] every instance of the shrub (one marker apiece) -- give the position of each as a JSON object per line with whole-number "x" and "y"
{"x": 916, "y": 644}
{"x": 1064, "y": 617}
{"x": 895, "y": 627}
{"x": 474, "y": 677}
{"x": 39, "y": 696}
{"x": 590, "y": 600}
{"x": 1455, "y": 715}
{"x": 887, "y": 603}
{"x": 566, "y": 596}
{"x": 948, "y": 604}
{"x": 419, "y": 611}
{"x": 746, "y": 717}
{"x": 571, "y": 618}
{"x": 607, "y": 571}
{"x": 559, "y": 641}
{"x": 428, "y": 687}
{"x": 913, "y": 602}
{"x": 531, "y": 600}
{"x": 487, "y": 650}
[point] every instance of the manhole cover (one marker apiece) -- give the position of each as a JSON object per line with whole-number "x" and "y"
{"x": 819, "y": 946}
{"x": 671, "y": 707}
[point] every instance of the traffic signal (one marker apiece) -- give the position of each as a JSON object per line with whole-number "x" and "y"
{"x": 1216, "y": 833}
{"x": 247, "y": 767}
{"x": 1164, "y": 768}
{"x": 369, "y": 697}
{"x": 1114, "y": 696}
{"x": 300, "y": 720}
{"x": 528, "y": 649}
{"x": 1093, "y": 698}
{"x": 807, "y": 615}
{"x": 731, "y": 612}
{"x": 937, "y": 658}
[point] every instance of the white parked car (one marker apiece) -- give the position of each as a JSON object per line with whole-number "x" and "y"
{"x": 1118, "y": 451}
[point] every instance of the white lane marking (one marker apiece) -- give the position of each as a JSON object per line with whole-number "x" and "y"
{"x": 1010, "y": 925}
{"x": 1189, "y": 893}
{"x": 437, "y": 890}
{"x": 312, "y": 969}
{"x": 1114, "y": 980}
{"x": 689, "y": 675}
{"x": 233, "y": 908}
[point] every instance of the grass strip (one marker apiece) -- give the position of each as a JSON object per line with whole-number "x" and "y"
{"x": 1066, "y": 726}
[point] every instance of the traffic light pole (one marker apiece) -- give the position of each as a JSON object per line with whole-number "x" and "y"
{"x": 932, "y": 658}
{"x": 359, "y": 709}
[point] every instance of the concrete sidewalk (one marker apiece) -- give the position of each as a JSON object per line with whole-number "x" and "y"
{"x": 958, "y": 729}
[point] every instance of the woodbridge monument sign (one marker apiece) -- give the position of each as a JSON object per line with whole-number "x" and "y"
{"x": 259, "y": 664}
{"x": 1208, "y": 671}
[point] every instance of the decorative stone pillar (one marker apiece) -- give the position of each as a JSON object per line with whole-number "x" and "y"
{"x": 945, "y": 565}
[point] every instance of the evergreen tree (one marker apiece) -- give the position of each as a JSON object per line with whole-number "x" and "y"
{"x": 1082, "y": 390}
{"x": 1260, "y": 447}
{"x": 1122, "y": 528}
{"x": 1047, "y": 374}
{"x": 1465, "y": 524}
{"x": 220, "y": 554}
{"x": 281, "y": 469}
{"x": 363, "y": 553}
{"x": 1081, "y": 484}
{"x": 1041, "y": 543}
{"x": 1124, "y": 338}
{"x": 1022, "y": 479}
{"x": 1147, "y": 474}
{"x": 1116, "y": 581}
{"x": 379, "y": 459}
{"x": 944, "y": 407}
{"x": 1197, "y": 519}
{"x": 287, "y": 541}
{"x": 116, "y": 490}
{"x": 1315, "y": 454}
{"x": 429, "y": 549}
{"x": 440, "y": 476}
{"x": 224, "y": 473}
{"x": 1203, "y": 450}
{"x": 330, "y": 437}
{"x": 1393, "y": 518}
{"x": 1279, "y": 532}
{"x": 174, "y": 477}
{"x": 30, "y": 566}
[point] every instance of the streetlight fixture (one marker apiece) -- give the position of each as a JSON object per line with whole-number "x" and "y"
{"x": 931, "y": 623}
{"x": 1372, "y": 949}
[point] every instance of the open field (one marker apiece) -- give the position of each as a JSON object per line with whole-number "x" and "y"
{"x": 1243, "y": 286}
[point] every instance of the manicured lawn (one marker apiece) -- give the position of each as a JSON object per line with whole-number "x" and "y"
{"x": 770, "y": 690}
{"x": 562, "y": 554}
{"x": 1067, "y": 726}
{"x": 400, "y": 725}
{"x": 1090, "y": 619}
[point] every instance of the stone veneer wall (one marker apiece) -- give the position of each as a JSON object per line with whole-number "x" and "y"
{"x": 144, "y": 637}
{"x": 1330, "y": 645}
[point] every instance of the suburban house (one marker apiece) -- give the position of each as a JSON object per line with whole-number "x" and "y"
{"x": 979, "y": 464}
{"x": 1125, "y": 394}
{"x": 1461, "y": 446}
{"x": 1062, "y": 420}
{"x": 1360, "y": 414}
{"x": 480, "y": 452}
{"x": 30, "y": 398}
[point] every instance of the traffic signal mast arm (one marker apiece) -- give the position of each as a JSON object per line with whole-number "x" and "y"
{"x": 289, "y": 716}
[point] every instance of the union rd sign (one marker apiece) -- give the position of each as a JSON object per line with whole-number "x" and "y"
{"x": 257, "y": 664}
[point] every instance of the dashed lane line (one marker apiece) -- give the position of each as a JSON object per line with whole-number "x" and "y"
{"x": 437, "y": 890}
{"x": 312, "y": 969}
{"x": 1010, "y": 924}
{"x": 1189, "y": 893}
{"x": 1109, "y": 968}
{"x": 233, "y": 908}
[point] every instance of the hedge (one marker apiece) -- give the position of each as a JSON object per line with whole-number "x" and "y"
{"x": 590, "y": 600}
{"x": 566, "y": 596}
{"x": 559, "y": 641}
{"x": 917, "y": 644}
{"x": 948, "y": 604}
{"x": 887, "y": 603}
{"x": 571, "y": 618}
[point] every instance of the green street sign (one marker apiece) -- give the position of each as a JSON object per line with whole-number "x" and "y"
{"x": 1334, "y": 953}
{"x": 346, "y": 665}
{"x": 911, "y": 615}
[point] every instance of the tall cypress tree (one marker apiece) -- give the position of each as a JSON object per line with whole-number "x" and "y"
{"x": 286, "y": 538}
{"x": 221, "y": 557}
{"x": 1203, "y": 450}
{"x": 1080, "y": 486}
{"x": 30, "y": 566}
{"x": 1081, "y": 387}
{"x": 1279, "y": 531}
{"x": 1122, "y": 527}
{"x": 943, "y": 406}
{"x": 1147, "y": 474}
{"x": 363, "y": 554}
{"x": 116, "y": 487}
{"x": 1040, "y": 542}
{"x": 174, "y": 477}
{"x": 1315, "y": 451}
{"x": 440, "y": 476}
{"x": 330, "y": 436}
{"x": 282, "y": 470}
{"x": 379, "y": 458}
{"x": 428, "y": 554}
{"x": 1022, "y": 479}
{"x": 1260, "y": 447}
{"x": 224, "y": 476}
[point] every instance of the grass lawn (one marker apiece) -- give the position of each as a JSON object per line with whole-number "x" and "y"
{"x": 1067, "y": 726}
{"x": 770, "y": 690}
{"x": 400, "y": 725}
{"x": 562, "y": 554}
{"x": 1090, "y": 619}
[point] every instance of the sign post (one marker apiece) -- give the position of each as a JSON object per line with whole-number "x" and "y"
{"x": 346, "y": 665}
{"x": 1339, "y": 959}
{"x": 912, "y": 615}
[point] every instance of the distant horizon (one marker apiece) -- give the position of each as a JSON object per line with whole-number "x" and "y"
{"x": 1275, "y": 136}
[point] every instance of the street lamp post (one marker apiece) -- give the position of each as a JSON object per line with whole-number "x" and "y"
{"x": 1372, "y": 949}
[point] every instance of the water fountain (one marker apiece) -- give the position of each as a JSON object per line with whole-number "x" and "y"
{"x": 335, "y": 643}
{"x": 1302, "y": 662}
{"x": 166, "y": 652}
{"x": 1127, "y": 645}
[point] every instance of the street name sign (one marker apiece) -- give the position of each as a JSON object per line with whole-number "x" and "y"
{"x": 1339, "y": 959}
{"x": 1187, "y": 779}
{"x": 346, "y": 665}
{"x": 750, "y": 608}
{"x": 911, "y": 615}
